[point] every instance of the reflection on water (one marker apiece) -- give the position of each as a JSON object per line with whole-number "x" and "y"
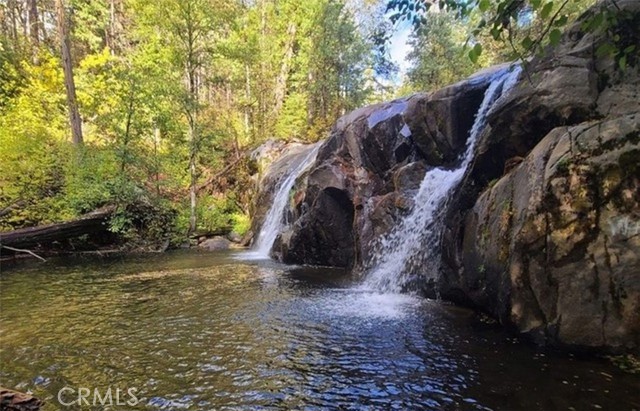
{"x": 205, "y": 331}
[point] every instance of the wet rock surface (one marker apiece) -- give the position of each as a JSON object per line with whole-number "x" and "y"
{"x": 11, "y": 400}
{"x": 528, "y": 236}
{"x": 548, "y": 248}
{"x": 543, "y": 233}
{"x": 368, "y": 169}
{"x": 274, "y": 159}
{"x": 215, "y": 243}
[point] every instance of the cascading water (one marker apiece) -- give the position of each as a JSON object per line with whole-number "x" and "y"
{"x": 410, "y": 243}
{"x": 274, "y": 221}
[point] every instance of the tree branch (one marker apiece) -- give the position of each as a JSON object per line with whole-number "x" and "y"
{"x": 21, "y": 250}
{"x": 221, "y": 173}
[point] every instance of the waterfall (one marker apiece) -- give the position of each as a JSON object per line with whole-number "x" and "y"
{"x": 412, "y": 242}
{"x": 274, "y": 221}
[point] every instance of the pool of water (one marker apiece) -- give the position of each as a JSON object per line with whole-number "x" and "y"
{"x": 211, "y": 331}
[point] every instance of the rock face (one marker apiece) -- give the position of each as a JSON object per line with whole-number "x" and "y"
{"x": 215, "y": 243}
{"x": 367, "y": 170}
{"x": 549, "y": 247}
{"x": 274, "y": 159}
{"x": 543, "y": 233}
{"x": 11, "y": 400}
{"x": 550, "y": 243}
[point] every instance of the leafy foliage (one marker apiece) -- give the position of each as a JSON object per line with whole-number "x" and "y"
{"x": 438, "y": 53}
{"x": 171, "y": 95}
{"x": 526, "y": 27}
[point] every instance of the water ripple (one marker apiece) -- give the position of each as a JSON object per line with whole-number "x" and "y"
{"x": 204, "y": 331}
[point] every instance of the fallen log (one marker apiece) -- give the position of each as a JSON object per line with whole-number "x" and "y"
{"x": 91, "y": 223}
{"x": 210, "y": 233}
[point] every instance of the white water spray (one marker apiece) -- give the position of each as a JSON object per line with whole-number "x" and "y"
{"x": 274, "y": 221}
{"x": 413, "y": 240}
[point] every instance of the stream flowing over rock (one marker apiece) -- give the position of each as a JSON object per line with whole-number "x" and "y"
{"x": 541, "y": 229}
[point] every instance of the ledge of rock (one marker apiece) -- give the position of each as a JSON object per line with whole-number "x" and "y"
{"x": 11, "y": 400}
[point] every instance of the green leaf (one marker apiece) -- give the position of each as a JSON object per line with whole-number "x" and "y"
{"x": 596, "y": 21}
{"x": 535, "y": 4}
{"x": 473, "y": 56}
{"x": 605, "y": 49}
{"x": 623, "y": 62}
{"x": 562, "y": 21}
{"x": 546, "y": 10}
{"x": 527, "y": 43}
{"x": 495, "y": 33}
{"x": 554, "y": 37}
{"x": 484, "y": 5}
{"x": 475, "y": 52}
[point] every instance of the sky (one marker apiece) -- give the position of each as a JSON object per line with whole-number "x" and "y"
{"x": 399, "y": 49}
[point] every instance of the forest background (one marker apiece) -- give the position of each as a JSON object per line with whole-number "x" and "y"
{"x": 154, "y": 106}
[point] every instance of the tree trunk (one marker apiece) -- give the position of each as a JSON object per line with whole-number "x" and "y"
{"x": 67, "y": 66}
{"x": 111, "y": 33}
{"x": 192, "y": 172}
{"x": 92, "y": 223}
{"x": 156, "y": 160}
{"x": 13, "y": 25}
{"x": 247, "y": 95}
{"x": 43, "y": 26}
{"x": 262, "y": 88}
{"x": 281, "y": 81}
{"x": 34, "y": 25}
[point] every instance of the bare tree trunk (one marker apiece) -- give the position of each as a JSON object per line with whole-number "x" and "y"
{"x": 43, "y": 25}
{"x": 67, "y": 66}
{"x": 156, "y": 144}
{"x": 192, "y": 134}
{"x": 192, "y": 107}
{"x": 311, "y": 105}
{"x": 261, "y": 114}
{"x": 24, "y": 19}
{"x": 192, "y": 172}
{"x": 13, "y": 26}
{"x": 247, "y": 95}
{"x": 111, "y": 33}
{"x": 281, "y": 81}
{"x": 193, "y": 141}
{"x": 33, "y": 23}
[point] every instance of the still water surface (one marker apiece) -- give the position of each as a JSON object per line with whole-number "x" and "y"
{"x": 205, "y": 331}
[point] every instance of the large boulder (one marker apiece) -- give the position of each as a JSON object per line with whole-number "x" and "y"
{"x": 216, "y": 243}
{"x": 553, "y": 247}
{"x": 368, "y": 169}
{"x": 534, "y": 248}
{"x": 543, "y": 231}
